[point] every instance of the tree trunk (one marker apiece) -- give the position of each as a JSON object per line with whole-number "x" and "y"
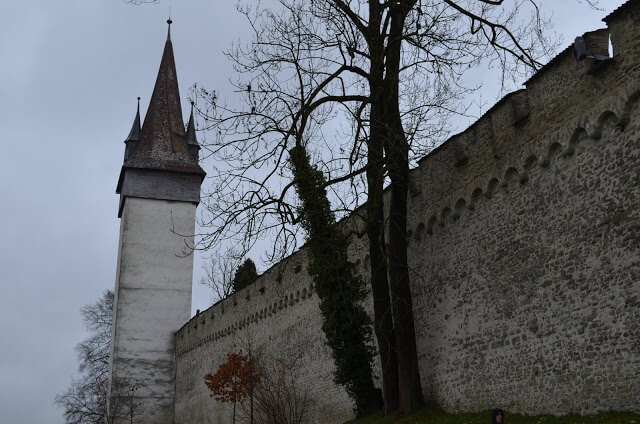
{"x": 397, "y": 150}
{"x": 410, "y": 391}
{"x": 383, "y": 319}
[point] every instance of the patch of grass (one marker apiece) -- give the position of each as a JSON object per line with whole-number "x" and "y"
{"x": 436, "y": 415}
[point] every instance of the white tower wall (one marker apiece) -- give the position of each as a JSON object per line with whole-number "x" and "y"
{"x": 152, "y": 301}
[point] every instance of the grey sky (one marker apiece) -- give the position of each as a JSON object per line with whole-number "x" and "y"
{"x": 69, "y": 74}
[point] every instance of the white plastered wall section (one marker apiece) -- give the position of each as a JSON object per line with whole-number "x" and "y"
{"x": 153, "y": 300}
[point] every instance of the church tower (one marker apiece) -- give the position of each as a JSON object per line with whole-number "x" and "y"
{"x": 159, "y": 189}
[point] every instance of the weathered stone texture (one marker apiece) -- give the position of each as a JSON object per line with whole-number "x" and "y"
{"x": 277, "y": 315}
{"x": 524, "y": 255}
{"x": 152, "y": 300}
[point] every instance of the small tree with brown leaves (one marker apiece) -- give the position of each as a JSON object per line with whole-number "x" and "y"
{"x": 235, "y": 380}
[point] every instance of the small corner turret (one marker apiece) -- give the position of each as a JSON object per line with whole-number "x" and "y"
{"x": 192, "y": 140}
{"x": 134, "y": 135}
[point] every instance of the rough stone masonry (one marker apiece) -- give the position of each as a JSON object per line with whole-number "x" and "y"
{"x": 524, "y": 254}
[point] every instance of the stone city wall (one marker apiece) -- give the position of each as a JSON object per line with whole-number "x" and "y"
{"x": 277, "y": 317}
{"x": 524, "y": 254}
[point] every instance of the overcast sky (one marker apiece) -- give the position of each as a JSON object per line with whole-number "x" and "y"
{"x": 70, "y": 72}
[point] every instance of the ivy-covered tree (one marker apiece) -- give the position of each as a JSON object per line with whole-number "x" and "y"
{"x": 340, "y": 289}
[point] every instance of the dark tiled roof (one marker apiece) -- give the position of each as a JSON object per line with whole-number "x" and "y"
{"x": 163, "y": 142}
{"x": 620, "y": 10}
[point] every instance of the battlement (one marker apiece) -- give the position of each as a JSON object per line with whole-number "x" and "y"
{"x": 565, "y": 103}
{"x": 274, "y": 292}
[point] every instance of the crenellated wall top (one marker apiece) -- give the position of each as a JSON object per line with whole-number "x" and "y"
{"x": 565, "y": 101}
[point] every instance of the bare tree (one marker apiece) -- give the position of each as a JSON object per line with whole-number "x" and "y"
{"x": 280, "y": 397}
{"x": 391, "y": 72}
{"x": 219, "y": 272}
{"x": 124, "y": 405}
{"x": 86, "y": 399}
{"x": 226, "y": 273}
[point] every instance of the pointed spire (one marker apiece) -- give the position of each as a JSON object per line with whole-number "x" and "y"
{"x": 134, "y": 135}
{"x": 169, "y": 21}
{"x": 192, "y": 140}
{"x": 163, "y": 142}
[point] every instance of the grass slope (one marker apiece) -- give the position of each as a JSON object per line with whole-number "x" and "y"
{"x": 435, "y": 415}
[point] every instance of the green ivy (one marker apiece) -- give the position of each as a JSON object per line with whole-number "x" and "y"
{"x": 340, "y": 289}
